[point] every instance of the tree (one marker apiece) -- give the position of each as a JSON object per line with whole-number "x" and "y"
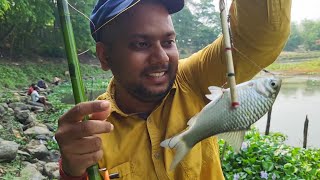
{"x": 311, "y": 33}
{"x": 295, "y": 38}
{"x": 197, "y": 25}
{"x": 22, "y": 22}
{"x": 4, "y": 6}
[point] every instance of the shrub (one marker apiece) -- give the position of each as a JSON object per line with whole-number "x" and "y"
{"x": 267, "y": 157}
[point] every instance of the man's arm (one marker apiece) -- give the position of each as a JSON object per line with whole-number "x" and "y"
{"x": 260, "y": 29}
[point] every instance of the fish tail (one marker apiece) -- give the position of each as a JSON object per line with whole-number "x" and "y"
{"x": 181, "y": 147}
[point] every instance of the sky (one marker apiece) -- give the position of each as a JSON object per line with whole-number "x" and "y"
{"x": 305, "y": 9}
{"x": 300, "y": 9}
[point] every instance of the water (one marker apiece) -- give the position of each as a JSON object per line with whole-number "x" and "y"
{"x": 298, "y": 97}
{"x": 69, "y": 99}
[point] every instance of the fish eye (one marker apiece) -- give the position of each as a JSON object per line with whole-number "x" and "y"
{"x": 273, "y": 83}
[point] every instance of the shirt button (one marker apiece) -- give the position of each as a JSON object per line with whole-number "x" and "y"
{"x": 157, "y": 155}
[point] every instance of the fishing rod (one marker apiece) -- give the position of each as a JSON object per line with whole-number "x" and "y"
{"x": 74, "y": 69}
{"x": 228, "y": 53}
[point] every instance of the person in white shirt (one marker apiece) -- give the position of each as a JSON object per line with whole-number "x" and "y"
{"x": 35, "y": 97}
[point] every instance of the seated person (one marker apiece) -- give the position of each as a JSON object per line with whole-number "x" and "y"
{"x": 56, "y": 81}
{"x": 35, "y": 97}
{"x": 42, "y": 84}
{"x": 31, "y": 88}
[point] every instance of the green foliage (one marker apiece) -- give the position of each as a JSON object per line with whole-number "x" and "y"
{"x": 269, "y": 156}
{"x": 30, "y": 26}
{"x": 81, "y": 24}
{"x": 12, "y": 169}
{"x": 24, "y": 24}
{"x": 31, "y": 72}
{"x": 305, "y": 36}
{"x": 295, "y": 38}
{"x": 196, "y": 29}
{"x": 4, "y": 6}
{"x": 311, "y": 33}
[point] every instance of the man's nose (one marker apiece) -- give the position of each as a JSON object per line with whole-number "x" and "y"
{"x": 159, "y": 55}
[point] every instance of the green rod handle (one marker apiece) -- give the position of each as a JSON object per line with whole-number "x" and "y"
{"x": 74, "y": 69}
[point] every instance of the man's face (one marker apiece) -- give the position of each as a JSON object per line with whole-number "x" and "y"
{"x": 143, "y": 56}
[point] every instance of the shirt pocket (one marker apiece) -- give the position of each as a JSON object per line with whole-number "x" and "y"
{"x": 124, "y": 171}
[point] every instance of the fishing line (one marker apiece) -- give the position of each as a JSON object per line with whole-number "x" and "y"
{"x": 86, "y": 18}
{"x": 231, "y": 36}
{"x": 237, "y": 50}
{"x": 95, "y": 30}
{"x": 115, "y": 16}
{"x": 81, "y": 14}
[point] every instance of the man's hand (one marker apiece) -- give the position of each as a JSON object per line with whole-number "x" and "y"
{"x": 79, "y": 146}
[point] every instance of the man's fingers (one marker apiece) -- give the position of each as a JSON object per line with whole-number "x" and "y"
{"x": 82, "y": 129}
{"x": 101, "y": 115}
{"x": 76, "y": 165}
{"x": 83, "y": 146}
{"x": 79, "y": 111}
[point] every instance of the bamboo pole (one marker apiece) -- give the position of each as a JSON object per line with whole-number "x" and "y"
{"x": 268, "y": 122}
{"x": 74, "y": 69}
{"x": 228, "y": 53}
{"x": 305, "y": 132}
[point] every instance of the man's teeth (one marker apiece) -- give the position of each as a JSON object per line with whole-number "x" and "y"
{"x": 157, "y": 74}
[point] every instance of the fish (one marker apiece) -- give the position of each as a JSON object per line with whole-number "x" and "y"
{"x": 219, "y": 118}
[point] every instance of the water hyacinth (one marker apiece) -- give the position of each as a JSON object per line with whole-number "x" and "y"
{"x": 245, "y": 146}
{"x": 236, "y": 176}
{"x": 264, "y": 175}
{"x": 274, "y": 177}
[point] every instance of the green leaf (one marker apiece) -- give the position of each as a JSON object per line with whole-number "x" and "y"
{"x": 268, "y": 165}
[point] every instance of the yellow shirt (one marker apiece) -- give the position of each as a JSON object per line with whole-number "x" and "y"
{"x": 260, "y": 29}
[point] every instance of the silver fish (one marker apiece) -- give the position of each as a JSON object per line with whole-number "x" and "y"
{"x": 256, "y": 98}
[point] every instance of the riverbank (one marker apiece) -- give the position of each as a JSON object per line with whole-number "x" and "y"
{"x": 18, "y": 117}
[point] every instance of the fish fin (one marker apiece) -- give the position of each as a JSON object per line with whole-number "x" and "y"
{"x": 234, "y": 138}
{"x": 216, "y": 93}
{"x": 192, "y": 120}
{"x": 181, "y": 147}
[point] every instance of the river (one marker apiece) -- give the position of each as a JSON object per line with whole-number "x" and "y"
{"x": 298, "y": 97}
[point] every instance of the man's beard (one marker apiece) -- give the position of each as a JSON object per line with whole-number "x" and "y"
{"x": 143, "y": 94}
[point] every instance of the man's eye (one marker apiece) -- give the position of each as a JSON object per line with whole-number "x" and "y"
{"x": 169, "y": 42}
{"x": 141, "y": 44}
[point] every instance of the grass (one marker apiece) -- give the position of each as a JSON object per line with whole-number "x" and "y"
{"x": 305, "y": 67}
{"x": 299, "y": 55}
{"x": 21, "y": 75}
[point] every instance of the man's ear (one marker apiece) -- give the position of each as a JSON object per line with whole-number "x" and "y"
{"x": 102, "y": 54}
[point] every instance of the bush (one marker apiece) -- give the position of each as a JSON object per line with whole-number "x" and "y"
{"x": 267, "y": 157}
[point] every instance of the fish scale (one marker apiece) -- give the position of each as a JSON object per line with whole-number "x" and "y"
{"x": 218, "y": 117}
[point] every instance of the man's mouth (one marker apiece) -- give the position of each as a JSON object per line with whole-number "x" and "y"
{"x": 156, "y": 74}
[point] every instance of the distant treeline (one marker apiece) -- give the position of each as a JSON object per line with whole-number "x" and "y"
{"x": 304, "y": 36}
{"x": 33, "y": 27}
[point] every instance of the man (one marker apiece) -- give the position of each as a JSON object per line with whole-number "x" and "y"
{"x": 153, "y": 95}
